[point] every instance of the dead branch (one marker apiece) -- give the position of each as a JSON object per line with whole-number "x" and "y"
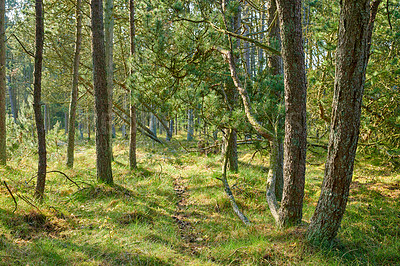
{"x": 9, "y": 190}
{"x": 72, "y": 181}
{"x": 27, "y": 201}
{"x": 227, "y": 188}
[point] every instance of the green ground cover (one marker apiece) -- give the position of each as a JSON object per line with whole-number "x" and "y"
{"x": 173, "y": 211}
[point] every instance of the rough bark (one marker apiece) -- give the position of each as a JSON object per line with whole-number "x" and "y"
{"x": 3, "y": 153}
{"x": 354, "y": 41}
{"x": 133, "y": 126}
{"x": 102, "y": 99}
{"x": 74, "y": 91}
{"x": 37, "y": 93}
{"x": 289, "y": 12}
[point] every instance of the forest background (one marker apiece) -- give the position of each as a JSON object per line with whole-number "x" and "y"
{"x": 201, "y": 79}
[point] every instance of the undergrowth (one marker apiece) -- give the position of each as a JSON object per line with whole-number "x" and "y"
{"x": 173, "y": 210}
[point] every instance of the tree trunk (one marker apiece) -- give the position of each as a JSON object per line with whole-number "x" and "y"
{"x": 37, "y": 93}
{"x": 153, "y": 124}
{"x": 190, "y": 125}
{"x": 74, "y": 91}
{"x": 3, "y": 147}
{"x": 289, "y": 12}
{"x": 276, "y": 67}
{"x": 170, "y": 130}
{"x": 102, "y": 99}
{"x": 354, "y": 42}
{"x": 13, "y": 100}
{"x": 133, "y": 126}
{"x": 109, "y": 36}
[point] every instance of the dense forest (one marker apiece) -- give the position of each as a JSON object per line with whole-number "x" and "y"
{"x": 165, "y": 132}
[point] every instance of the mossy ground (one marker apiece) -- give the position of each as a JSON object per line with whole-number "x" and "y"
{"x": 173, "y": 211}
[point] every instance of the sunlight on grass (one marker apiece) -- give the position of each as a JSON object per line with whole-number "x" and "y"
{"x": 145, "y": 219}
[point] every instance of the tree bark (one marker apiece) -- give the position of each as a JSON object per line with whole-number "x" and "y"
{"x": 133, "y": 126}
{"x": 354, "y": 42}
{"x": 74, "y": 92}
{"x": 102, "y": 99}
{"x": 3, "y": 147}
{"x": 37, "y": 93}
{"x": 289, "y": 12}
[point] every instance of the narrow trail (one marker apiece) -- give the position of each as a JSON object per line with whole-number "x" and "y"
{"x": 192, "y": 242}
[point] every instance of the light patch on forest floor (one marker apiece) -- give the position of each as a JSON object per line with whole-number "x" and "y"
{"x": 133, "y": 222}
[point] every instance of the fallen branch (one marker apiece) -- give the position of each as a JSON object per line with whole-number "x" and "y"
{"x": 9, "y": 190}
{"x": 72, "y": 181}
{"x": 228, "y": 190}
{"x": 30, "y": 203}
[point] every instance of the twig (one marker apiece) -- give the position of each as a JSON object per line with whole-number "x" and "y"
{"x": 57, "y": 211}
{"x": 9, "y": 190}
{"x": 72, "y": 181}
{"x": 27, "y": 201}
{"x": 252, "y": 157}
{"x": 23, "y": 47}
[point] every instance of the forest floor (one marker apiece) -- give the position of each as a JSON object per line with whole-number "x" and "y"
{"x": 173, "y": 211}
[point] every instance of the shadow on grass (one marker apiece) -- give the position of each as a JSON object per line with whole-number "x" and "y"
{"x": 65, "y": 252}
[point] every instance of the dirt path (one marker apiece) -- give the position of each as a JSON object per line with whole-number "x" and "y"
{"x": 192, "y": 242}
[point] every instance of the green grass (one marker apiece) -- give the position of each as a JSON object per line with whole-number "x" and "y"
{"x": 143, "y": 220}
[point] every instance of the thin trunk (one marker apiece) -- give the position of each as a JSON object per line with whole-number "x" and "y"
{"x": 190, "y": 125}
{"x": 171, "y": 130}
{"x": 109, "y": 43}
{"x": 275, "y": 65}
{"x": 88, "y": 123}
{"x": 37, "y": 93}
{"x": 102, "y": 99}
{"x": 3, "y": 147}
{"x": 123, "y": 127}
{"x": 153, "y": 124}
{"x": 133, "y": 118}
{"x": 74, "y": 91}
{"x": 354, "y": 42}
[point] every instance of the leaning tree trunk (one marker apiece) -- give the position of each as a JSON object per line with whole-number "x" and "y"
{"x": 289, "y": 12}
{"x": 37, "y": 93}
{"x": 3, "y": 153}
{"x": 74, "y": 92}
{"x": 102, "y": 99}
{"x": 354, "y": 37}
{"x": 133, "y": 126}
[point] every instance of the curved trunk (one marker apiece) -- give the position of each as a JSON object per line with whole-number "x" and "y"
{"x": 355, "y": 30}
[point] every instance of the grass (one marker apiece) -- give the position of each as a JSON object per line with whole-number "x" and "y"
{"x": 173, "y": 211}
